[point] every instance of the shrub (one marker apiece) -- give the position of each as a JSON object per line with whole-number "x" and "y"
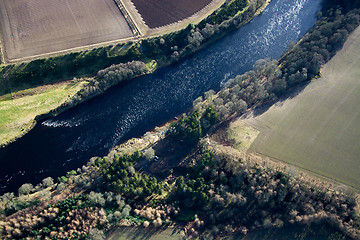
{"x": 96, "y": 234}
{"x": 47, "y": 182}
{"x": 149, "y": 154}
{"x": 25, "y": 189}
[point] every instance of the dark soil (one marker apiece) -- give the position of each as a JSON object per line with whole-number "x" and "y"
{"x": 157, "y": 13}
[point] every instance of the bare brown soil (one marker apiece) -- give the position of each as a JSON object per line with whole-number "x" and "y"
{"x": 157, "y": 13}
{"x": 34, "y": 27}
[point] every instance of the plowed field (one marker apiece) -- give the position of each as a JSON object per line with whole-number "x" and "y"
{"x": 32, "y": 27}
{"x": 157, "y": 13}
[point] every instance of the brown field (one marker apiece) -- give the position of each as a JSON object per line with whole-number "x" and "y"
{"x": 34, "y": 27}
{"x": 157, "y": 13}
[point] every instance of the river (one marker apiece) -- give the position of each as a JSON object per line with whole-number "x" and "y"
{"x": 69, "y": 140}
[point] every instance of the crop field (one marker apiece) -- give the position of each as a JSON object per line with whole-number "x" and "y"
{"x": 157, "y": 13}
{"x": 319, "y": 129}
{"x": 33, "y": 27}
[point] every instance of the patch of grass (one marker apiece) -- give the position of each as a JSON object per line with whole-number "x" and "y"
{"x": 17, "y": 115}
{"x": 241, "y": 135}
{"x": 151, "y": 66}
{"x": 318, "y": 130}
{"x": 137, "y": 233}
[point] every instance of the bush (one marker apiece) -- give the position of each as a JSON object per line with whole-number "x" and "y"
{"x": 149, "y": 154}
{"x": 96, "y": 234}
{"x": 210, "y": 115}
{"x": 25, "y": 189}
{"x": 186, "y": 216}
{"x": 96, "y": 199}
{"x": 187, "y": 129}
{"x": 47, "y": 182}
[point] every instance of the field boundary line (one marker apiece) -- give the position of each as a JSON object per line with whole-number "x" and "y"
{"x": 183, "y": 23}
{"x": 135, "y": 16}
{"x": 134, "y": 28}
{"x": 2, "y": 50}
{"x": 2, "y": 47}
{"x": 3, "y": 59}
{"x": 70, "y": 50}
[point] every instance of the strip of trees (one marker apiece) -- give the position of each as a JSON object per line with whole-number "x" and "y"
{"x": 321, "y": 43}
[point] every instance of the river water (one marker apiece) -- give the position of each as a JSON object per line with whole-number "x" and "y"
{"x": 69, "y": 140}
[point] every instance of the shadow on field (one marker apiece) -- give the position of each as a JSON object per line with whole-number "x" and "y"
{"x": 290, "y": 94}
{"x": 294, "y": 232}
{"x": 141, "y": 233}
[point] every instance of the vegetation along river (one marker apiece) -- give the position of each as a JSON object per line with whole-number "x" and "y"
{"x": 69, "y": 140}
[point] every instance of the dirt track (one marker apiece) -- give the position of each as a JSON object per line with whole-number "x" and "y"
{"x": 32, "y": 27}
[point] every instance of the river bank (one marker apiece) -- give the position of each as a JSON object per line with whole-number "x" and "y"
{"x": 82, "y": 191}
{"x": 86, "y": 92}
{"x": 21, "y": 110}
{"x": 69, "y": 140}
{"x": 211, "y": 188}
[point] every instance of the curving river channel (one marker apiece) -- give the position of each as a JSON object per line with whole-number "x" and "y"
{"x": 69, "y": 140}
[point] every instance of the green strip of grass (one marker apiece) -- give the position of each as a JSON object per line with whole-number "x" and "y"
{"x": 241, "y": 135}
{"x": 18, "y": 112}
{"x": 137, "y": 233}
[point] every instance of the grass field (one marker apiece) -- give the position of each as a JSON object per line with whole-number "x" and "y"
{"x": 241, "y": 135}
{"x": 319, "y": 129}
{"x": 17, "y": 115}
{"x": 140, "y": 233}
{"x": 33, "y": 27}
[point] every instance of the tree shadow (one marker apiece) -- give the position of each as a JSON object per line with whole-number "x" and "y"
{"x": 295, "y": 232}
{"x": 264, "y": 107}
{"x": 142, "y": 233}
{"x": 170, "y": 154}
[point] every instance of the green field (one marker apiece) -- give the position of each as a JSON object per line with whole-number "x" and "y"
{"x": 241, "y": 135}
{"x": 319, "y": 129}
{"x": 18, "y": 113}
{"x": 140, "y": 233}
